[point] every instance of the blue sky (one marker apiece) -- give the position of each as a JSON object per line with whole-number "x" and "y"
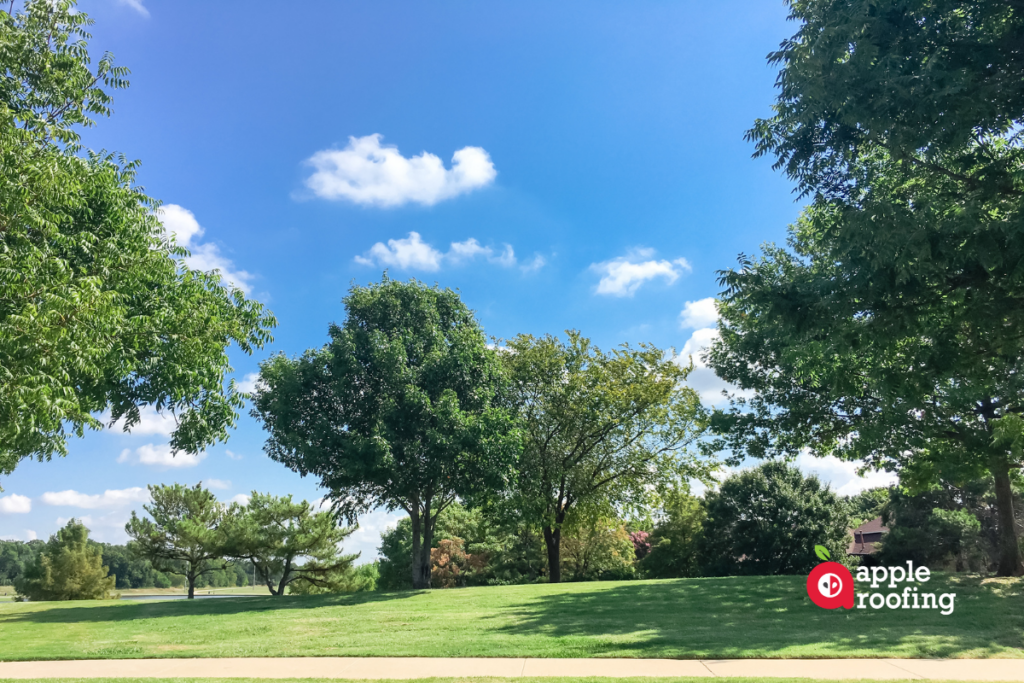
{"x": 564, "y": 165}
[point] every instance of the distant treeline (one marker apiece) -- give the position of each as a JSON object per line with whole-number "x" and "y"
{"x": 129, "y": 572}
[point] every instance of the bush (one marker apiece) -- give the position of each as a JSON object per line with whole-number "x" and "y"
{"x": 767, "y": 520}
{"x": 673, "y": 552}
{"x": 68, "y": 568}
{"x": 597, "y": 550}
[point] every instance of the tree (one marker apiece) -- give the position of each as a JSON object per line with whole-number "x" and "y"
{"x": 891, "y": 329}
{"x": 402, "y": 409}
{"x": 600, "y": 431}
{"x": 97, "y": 311}
{"x": 767, "y": 520}
{"x": 276, "y": 534}
{"x": 68, "y": 568}
{"x": 597, "y": 549}
{"x": 184, "y": 536}
{"x": 868, "y": 504}
{"x": 674, "y": 549}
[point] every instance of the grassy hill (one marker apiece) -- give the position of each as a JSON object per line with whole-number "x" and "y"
{"x": 687, "y": 618}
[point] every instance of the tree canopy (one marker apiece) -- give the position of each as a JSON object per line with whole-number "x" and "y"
{"x": 184, "y": 536}
{"x": 287, "y": 541}
{"x": 767, "y": 520}
{"x": 890, "y": 330}
{"x": 600, "y": 430}
{"x": 402, "y": 409}
{"x": 97, "y": 311}
{"x": 68, "y": 568}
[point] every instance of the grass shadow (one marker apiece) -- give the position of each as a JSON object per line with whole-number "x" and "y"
{"x": 769, "y": 617}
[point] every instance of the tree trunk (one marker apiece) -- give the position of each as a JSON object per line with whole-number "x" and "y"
{"x": 417, "y": 554}
{"x": 1010, "y": 563}
{"x": 553, "y": 540}
{"x": 284, "y": 577}
{"x": 191, "y": 587}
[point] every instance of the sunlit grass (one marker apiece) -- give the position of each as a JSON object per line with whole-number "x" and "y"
{"x": 687, "y": 618}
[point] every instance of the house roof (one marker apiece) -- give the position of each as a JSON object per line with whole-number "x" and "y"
{"x": 872, "y": 526}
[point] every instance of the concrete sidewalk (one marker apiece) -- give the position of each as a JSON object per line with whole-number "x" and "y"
{"x": 421, "y": 667}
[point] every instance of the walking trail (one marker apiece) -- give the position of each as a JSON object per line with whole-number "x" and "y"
{"x": 421, "y": 667}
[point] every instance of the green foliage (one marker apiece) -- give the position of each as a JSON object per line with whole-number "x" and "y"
{"x": 890, "y": 330}
{"x": 15, "y": 556}
{"x": 867, "y": 504}
{"x": 597, "y": 549}
{"x": 184, "y": 535}
{"x": 768, "y": 520}
{"x": 674, "y": 541}
{"x": 400, "y": 410}
{"x": 601, "y": 431}
{"x": 68, "y": 568}
{"x": 130, "y": 571}
{"x": 97, "y": 312}
{"x": 276, "y": 535}
{"x": 946, "y": 527}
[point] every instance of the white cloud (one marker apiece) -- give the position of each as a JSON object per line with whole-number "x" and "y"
{"x": 151, "y": 421}
{"x": 135, "y": 5}
{"x": 367, "y": 173}
{"x": 623, "y": 276}
{"x": 700, "y": 313}
{"x": 535, "y": 264}
{"x": 413, "y": 253}
{"x": 843, "y": 475}
{"x": 248, "y": 383}
{"x": 159, "y": 456}
{"x": 221, "y": 484}
{"x": 111, "y": 498}
{"x": 239, "y": 498}
{"x": 703, "y": 379}
{"x": 30, "y": 535}
{"x": 366, "y": 539}
{"x": 232, "y": 455}
{"x": 182, "y": 223}
{"x": 14, "y": 504}
{"x": 108, "y": 528}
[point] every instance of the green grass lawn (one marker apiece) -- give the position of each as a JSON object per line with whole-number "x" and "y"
{"x": 686, "y": 618}
{"x": 473, "y": 679}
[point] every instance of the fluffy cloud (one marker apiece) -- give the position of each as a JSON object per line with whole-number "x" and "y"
{"x": 220, "y": 484}
{"x": 14, "y": 504}
{"x": 182, "y": 223}
{"x": 232, "y": 455}
{"x": 412, "y": 253}
{"x": 248, "y": 383}
{"x": 239, "y": 498}
{"x": 365, "y": 539}
{"x": 108, "y": 528}
{"x": 367, "y": 173}
{"x": 623, "y": 276}
{"x": 699, "y": 313}
{"x": 159, "y": 455}
{"x": 151, "y": 422}
{"x": 111, "y": 498}
{"x": 843, "y": 475}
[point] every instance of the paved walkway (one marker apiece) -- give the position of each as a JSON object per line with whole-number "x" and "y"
{"x": 418, "y": 667}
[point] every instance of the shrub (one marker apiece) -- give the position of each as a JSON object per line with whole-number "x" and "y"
{"x": 68, "y": 568}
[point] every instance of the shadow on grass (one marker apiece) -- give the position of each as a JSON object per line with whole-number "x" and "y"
{"x": 128, "y": 610}
{"x": 769, "y": 617}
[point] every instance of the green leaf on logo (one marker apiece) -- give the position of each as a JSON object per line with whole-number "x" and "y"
{"x": 822, "y": 552}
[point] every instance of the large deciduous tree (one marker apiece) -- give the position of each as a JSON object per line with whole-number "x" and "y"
{"x": 97, "y": 312}
{"x": 767, "y": 520}
{"x": 185, "y": 535}
{"x": 287, "y": 542}
{"x": 600, "y": 431}
{"x": 892, "y": 329}
{"x": 401, "y": 409}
